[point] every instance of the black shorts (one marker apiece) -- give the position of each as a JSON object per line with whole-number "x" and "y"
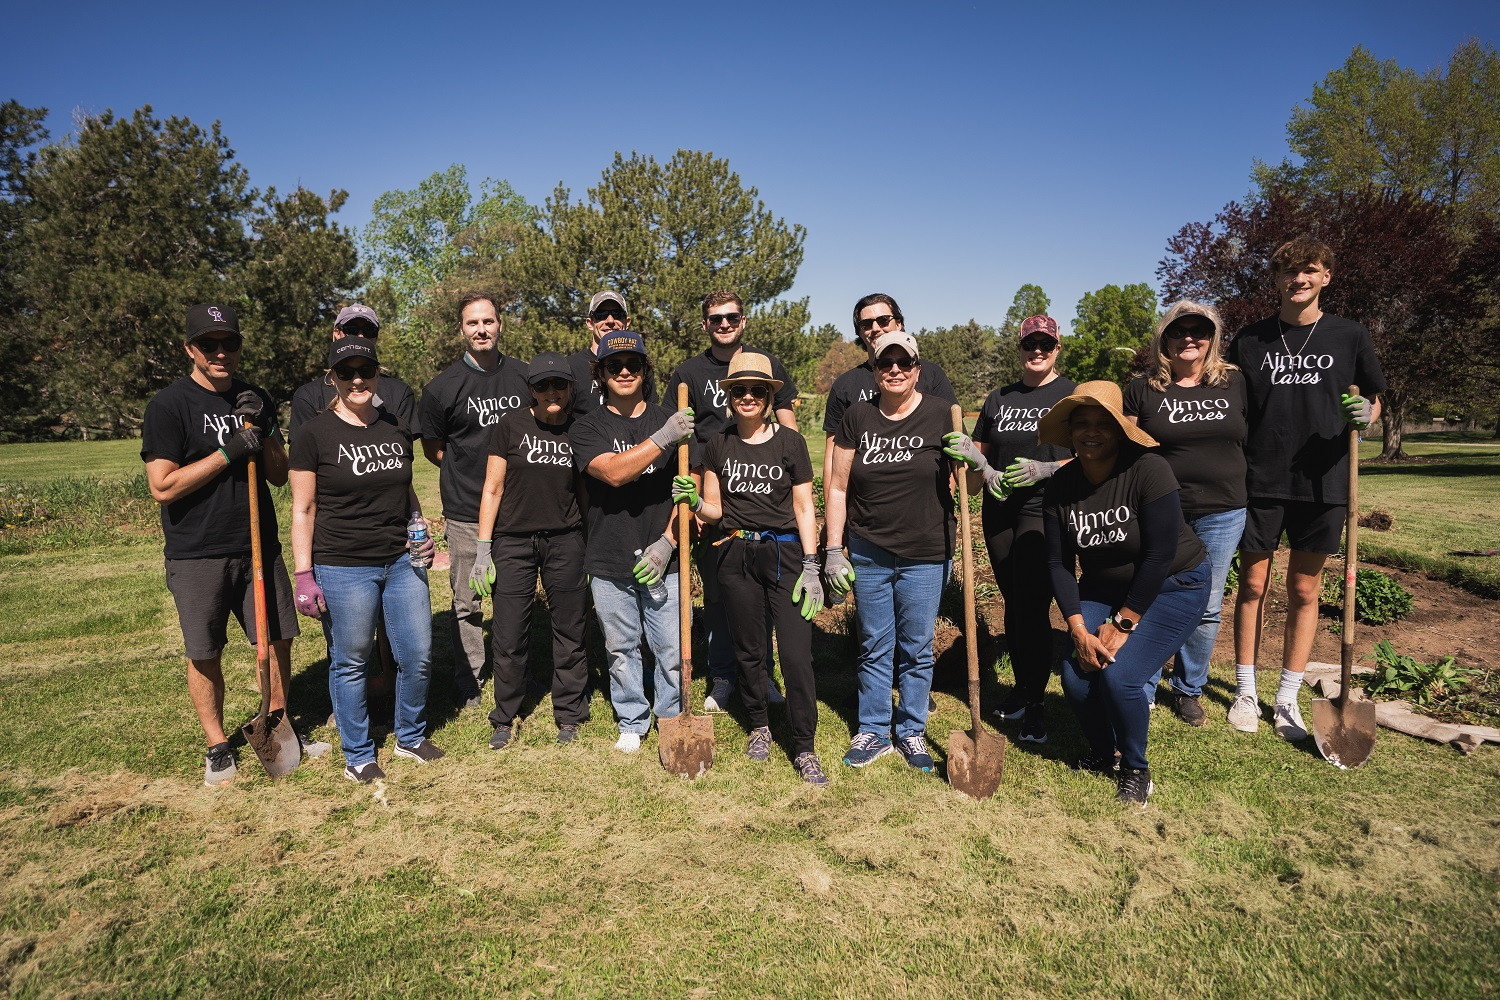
{"x": 208, "y": 591}
{"x": 1309, "y": 526}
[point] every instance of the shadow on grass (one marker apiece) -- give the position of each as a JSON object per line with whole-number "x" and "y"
{"x": 1439, "y": 468}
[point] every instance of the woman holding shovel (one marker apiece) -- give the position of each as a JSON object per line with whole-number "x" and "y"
{"x": 757, "y": 484}
{"x": 352, "y": 499}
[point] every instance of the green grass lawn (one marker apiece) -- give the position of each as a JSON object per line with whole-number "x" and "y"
{"x": 1258, "y": 870}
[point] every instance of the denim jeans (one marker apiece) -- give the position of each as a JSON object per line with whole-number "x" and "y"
{"x": 1112, "y": 704}
{"x": 896, "y": 606}
{"x": 1220, "y": 534}
{"x": 356, "y": 597}
{"x": 626, "y": 615}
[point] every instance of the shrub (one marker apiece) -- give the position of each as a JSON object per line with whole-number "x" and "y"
{"x": 1378, "y": 598}
{"x": 1397, "y": 674}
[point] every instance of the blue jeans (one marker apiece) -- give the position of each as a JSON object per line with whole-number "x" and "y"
{"x": 1220, "y": 534}
{"x": 356, "y": 597}
{"x": 1112, "y": 704}
{"x": 626, "y": 615}
{"x": 896, "y": 606}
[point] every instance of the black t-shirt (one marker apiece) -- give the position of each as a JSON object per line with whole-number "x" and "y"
{"x": 364, "y": 479}
{"x": 756, "y": 480}
{"x": 1007, "y": 424}
{"x": 588, "y": 395}
{"x": 1101, "y": 524}
{"x": 1201, "y": 429}
{"x": 540, "y": 484}
{"x": 461, "y": 406}
{"x": 186, "y": 422}
{"x": 392, "y": 394}
{"x": 1298, "y": 444}
{"x": 711, "y": 413}
{"x": 624, "y": 518}
{"x": 898, "y": 494}
{"x": 857, "y": 385}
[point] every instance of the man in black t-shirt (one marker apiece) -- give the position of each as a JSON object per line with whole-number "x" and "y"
{"x": 1298, "y": 366}
{"x": 459, "y": 410}
{"x": 195, "y": 442}
{"x": 724, "y": 322}
{"x": 357, "y": 320}
{"x": 607, "y": 313}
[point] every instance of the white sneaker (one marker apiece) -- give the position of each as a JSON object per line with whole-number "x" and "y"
{"x": 628, "y": 742}
{"x": 1288, "y": 722}
{"x": 1244, "y": 713}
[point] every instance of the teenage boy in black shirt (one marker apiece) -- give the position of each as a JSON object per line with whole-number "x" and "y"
{"x": 458, "y": 413}
{"x": 357, "y": 320}
{"x": 607, "y": 313}
{"x": 1298, "y": 366}
{"x": 195, "y": 449}
{"x": 724, "y": 322}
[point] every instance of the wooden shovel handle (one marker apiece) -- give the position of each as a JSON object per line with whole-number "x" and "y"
{"x": 684, "y": 580}
{"x": 971, "y": 637}
{"x": 1351, "y": 562}
{"x": 262, "y": 641}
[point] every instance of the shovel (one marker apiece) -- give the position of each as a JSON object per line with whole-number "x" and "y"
{"x": 1343, "y": 727}
{"x": 269, "y": 734}
{"x": 976, "y": 757}
{"x": 686, "y": 742}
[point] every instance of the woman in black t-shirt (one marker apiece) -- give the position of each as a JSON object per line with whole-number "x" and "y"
{"x": 1193, "y": 404}
{"x": 757, "y": 485}
{"x": 531, "y": 485}
{"x": 352, "y": 499}
{"x": 891, "y": 487}
{"x": 1143, "y": 575}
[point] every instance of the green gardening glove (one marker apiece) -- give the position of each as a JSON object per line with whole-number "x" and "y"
{"x": 482, "y": 576}
{"x": 961, "y": 448}
{"x": 808, "y": 589}
{"x": 1357, "y": 411}
{"x": 838, "y": 570}
{"x": 651, "y": 568}
{"x": 684, "y": 490}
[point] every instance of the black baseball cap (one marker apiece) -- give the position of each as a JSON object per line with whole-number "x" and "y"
{"x": 548, "y": 364}
{"x": 620, "y": 342}
{"x": 209, "y": 317}
{"x": 347, "y": 348}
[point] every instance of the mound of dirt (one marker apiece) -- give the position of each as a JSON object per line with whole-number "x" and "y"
{"x": 1377, "y": 520}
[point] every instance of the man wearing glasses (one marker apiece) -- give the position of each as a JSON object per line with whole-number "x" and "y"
{"x": 357, "y": 320}
{"x": 724, "y": 321}
{"x": 607, "y": 313}
{"x": 195, "y": 440}
{"x": 459, "y": 410}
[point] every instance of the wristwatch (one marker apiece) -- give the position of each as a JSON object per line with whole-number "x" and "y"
{"x": 1121, "y": 623}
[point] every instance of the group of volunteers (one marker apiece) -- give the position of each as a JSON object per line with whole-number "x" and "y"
{"x": 1126, "y": 508}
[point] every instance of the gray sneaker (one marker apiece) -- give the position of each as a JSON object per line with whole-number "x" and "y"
{"x": 720, "y": 691}
{"x": 1244, "y": 713}
{"x": 218, "y": 765}
{"x": 810, "y": 769}
{"x": 501, "y": 737}
{"x": 1288, "y": 723}
{"x": 1188, "y": 709}
{"x": 760, "y": 744}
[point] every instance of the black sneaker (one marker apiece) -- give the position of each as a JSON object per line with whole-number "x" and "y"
{"x": 565, "y": 734}
{"x": 1133, "y": 787}
{"x": 1033, "y": 725}
{"x": 218, "y": 765}
{"x": 364, "y": 773}
{"x": 720, "y": 691}
{"x": 810, "y": 769}
{"x": 422, "y": 753}
{"x": 914, "y": 749}
{"x": 1098, "y": 765}
{"x": 1188, "y": 710}
{"x": 1011, "y": 709}
{"x": 760, "y": 744}
{"x": 500, "y": 738}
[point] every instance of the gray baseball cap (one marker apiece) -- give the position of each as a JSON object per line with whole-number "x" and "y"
{"x": 356, "y": 311}
{"x": 601, "y": 297}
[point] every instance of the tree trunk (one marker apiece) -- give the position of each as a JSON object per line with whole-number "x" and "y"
{"x": 1392, "y": 417}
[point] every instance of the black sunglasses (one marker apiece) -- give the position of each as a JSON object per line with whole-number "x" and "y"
{"x": 600, "y": 315}
{"x": 348, "y": 373}
{"x": 360, "y": 328}
{"x": 615, "y": 366}
{"x": 866, "y": 325}
{"x": 753, "y": 391}
{"x": 728, "y": 319}
{"x": 213, "y": 345}
{"x": 886, "y": 364}
{"x": 550, "y": 385}
{"x": 1039, "y": 344}
{"x": 1181, "y": 331}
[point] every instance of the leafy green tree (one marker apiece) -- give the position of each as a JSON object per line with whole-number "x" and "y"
{"x": 1030, "y": 300}
{"x": 1111, "y": 326}
{"x": 20, "y": 129}
{"x": 969, "y": 353}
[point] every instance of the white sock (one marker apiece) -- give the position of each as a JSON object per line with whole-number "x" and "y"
{"x": 1286, "y": 693}
{"x": 1244, "y": 679}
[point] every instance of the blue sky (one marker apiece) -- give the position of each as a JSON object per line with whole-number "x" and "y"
{"x": 945, "y": 153}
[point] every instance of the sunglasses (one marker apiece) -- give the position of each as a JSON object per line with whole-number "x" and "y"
{"x": 551, "y": 385}
{"x": 1039, "y": 344}
{"x": 359, "y": 328}
{"x": 753, "y": 391}
{"x": 600, "y": 315}
{"x": 615, "y": 366}
{"x": 213, "y": 345}
{"x": 906, "y": 364}
{"x": 866, "y": 325}
{"x": 1182, "y": 331}
{"x": 348, "y": 373}
{"x": 727, "y": 319}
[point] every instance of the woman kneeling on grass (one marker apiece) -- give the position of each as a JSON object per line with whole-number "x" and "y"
{"x": 757, "y": 483}
{"x": 352, "y": 498}
{"x": 531, "y": 485}
{"x": 1143, "y": 575}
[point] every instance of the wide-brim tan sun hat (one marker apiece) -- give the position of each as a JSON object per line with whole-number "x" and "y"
{"x": 1053, "y": 427}
{"x": 750, "y": 366}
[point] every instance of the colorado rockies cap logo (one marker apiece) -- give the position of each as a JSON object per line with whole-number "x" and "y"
{"x": 218, "y": 317}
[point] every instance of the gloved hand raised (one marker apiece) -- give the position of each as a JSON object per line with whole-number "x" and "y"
{"x": 962, "y": 448}
{"x": 245, "y": 441}
{"x": 684, "y": 490}
{"x": 249, "y": 406}
{"x": 482, "y": 576}
{"x": 837, "y": 570}
{"x": 1358, "y": 411}
{"x": 1029, "y": 472}
{"x": 678, "y": 428}
{"x": 808, "y": 589}
{"x": 653, "y": 563}
{"x": 308, "y": 595}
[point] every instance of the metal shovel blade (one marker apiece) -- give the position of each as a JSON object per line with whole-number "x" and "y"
{"x": 975, "y": 762}
{"x": 274, "y": 742}
{"x": 1344, "y": 730}
{"x": 686, "y": 745}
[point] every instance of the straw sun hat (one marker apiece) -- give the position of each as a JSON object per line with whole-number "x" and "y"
{"x": 750, "y": 366}
{"x": 1053, "y": 428}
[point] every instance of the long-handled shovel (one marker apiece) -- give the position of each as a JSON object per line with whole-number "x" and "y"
{"x": 685, "y": 742}
{"x": 976, "y": 757}
{"x": 1343, "y": 727}
{"x": 269, "y": 734}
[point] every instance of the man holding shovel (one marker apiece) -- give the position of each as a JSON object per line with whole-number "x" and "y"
{"x": 195, "y": 440}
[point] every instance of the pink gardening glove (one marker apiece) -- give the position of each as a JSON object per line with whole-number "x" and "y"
{"x": 309, "y": 595}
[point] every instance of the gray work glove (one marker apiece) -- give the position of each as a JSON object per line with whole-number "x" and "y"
{"x": 653, "y": 563}
{"x": 808, "y": 589}
{"x": 245, "y": 441}
{"x": 677, "y": 429}
{"x": 249, "y": 406}
{"x": 1358, "y": 411}
{"x": 838, "y": 571}
{"x": 994, "y": 481}
{"x": 684, "y": 490}
{"x": 1029, "y": 472}
{"x": 962, "y": 448}
{"x": 482, "y": 576}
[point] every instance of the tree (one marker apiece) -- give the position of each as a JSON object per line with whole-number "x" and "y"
{"x": 841, "y": 356}
{"x": 1112, "y": 326}
{"x": 21, "y": 128}
{"x": 1029, "y": 301}
{"x": 969, "y": 353}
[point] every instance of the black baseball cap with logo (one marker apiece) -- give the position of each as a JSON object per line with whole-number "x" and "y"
{"x": 209, "y": 317}
{"x": 347, "y": 348}
{"x": 547, "y": 365}
{"x": 620, "y": 342}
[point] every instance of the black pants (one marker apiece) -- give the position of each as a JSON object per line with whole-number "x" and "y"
{"x": 756, "y": 577}
{"x": 559, "y": 559}
{"x": 1018, "y": 555}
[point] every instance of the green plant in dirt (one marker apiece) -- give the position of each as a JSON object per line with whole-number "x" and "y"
{"x": 1378, "y": 598}
{"x": 1232, "y": 581}
{"x": 1397, "y": 674}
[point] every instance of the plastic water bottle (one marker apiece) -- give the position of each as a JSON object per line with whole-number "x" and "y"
{"x": 416, "y": 532}
{"x": 657, "y": 590}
